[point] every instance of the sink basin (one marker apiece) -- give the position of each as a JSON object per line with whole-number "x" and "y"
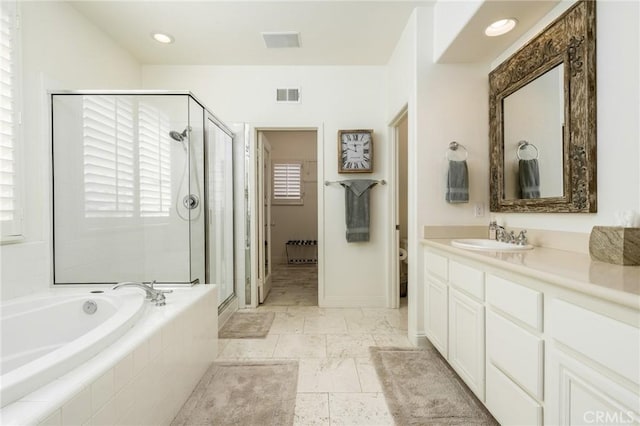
{"x": 488, "y": 245}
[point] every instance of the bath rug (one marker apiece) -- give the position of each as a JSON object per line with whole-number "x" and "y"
{"x": 247, "y": 325}
{"x": 421, "y": 389}
{"x": 243, "y": 393}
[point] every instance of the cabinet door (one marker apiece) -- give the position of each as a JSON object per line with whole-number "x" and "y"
{"x": 466, "y": 340}
{"x": 580, "y": 395}
{"x": 436, "y": 315}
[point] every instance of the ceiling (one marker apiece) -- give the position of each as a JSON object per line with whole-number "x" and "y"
{"x": 471, "y": 45}
{"x": 228, "y": 32}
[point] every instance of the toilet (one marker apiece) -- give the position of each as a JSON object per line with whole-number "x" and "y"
{"x": 404, "y": 267}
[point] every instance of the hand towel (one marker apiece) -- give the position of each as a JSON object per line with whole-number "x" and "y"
{"x": 529, "y": 177}
{"x": 356, "y": 202}
{"x": 457, "y": 182}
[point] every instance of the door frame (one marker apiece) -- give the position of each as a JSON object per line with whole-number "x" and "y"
{"x": 253, "y": 130}
{"x": 393, "y": 295}
{"x": 263, "y": 229}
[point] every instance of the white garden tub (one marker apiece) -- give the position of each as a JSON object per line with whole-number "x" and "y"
{"x": 143, "y": 377}
{"x": 44, "y": 337}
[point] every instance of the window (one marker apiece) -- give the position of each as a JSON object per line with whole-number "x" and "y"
{"x": 10, "y": 212}
{"x": 127, "y": 164}
{"x": 287, "y": 183}
{"x": 108, "y": 156}
{"x": 155, "y": 162}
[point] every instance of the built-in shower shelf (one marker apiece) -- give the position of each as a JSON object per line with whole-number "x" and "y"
{"x": 302, "y": 252}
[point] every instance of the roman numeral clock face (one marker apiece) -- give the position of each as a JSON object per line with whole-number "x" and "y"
{"x": 355, "y": 153}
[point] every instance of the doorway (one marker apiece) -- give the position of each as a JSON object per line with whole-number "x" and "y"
{"x": 400, "y": 210}
{"x": 288, "y": 215}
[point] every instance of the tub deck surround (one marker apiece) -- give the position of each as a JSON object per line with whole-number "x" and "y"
{"x": 576, "y": 271}
{"x": 142, "y": 378}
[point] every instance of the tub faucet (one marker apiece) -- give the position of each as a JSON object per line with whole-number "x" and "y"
{"x": 152, "y": 294}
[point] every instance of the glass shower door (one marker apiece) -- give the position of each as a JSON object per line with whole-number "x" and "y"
{"x": 122, "y": 166}
{"x": 220, "y": 265}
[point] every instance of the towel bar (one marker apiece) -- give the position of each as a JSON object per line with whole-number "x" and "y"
{"x": 327, "y": 182}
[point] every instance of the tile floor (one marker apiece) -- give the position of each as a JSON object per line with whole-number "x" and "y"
{"x": 337, "y": 383}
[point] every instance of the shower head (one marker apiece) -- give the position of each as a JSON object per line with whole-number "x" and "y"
{"x": 179, "y": 137}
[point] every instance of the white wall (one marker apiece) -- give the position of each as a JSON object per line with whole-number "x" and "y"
{"x": 445, "y": 103}
{"x": 334, "y": 97}
{"x": 294, "y": 222}
{"x": 618, "y": 118}
{"x": 60, "y": 50}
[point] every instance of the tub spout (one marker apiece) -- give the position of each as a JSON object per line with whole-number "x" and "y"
{"x": 152, "y": 294}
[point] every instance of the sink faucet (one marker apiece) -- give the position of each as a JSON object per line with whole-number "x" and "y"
{"x": 521, "y": 240}
{"x": 504, "y": 236}
{"x": 152, "y": 294}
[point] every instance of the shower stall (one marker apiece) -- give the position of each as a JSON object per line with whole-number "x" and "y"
{"x": 142, "y": 190}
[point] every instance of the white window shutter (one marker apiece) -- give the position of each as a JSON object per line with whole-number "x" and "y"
{"x": 108, "y": 156}
{"x": 155, "y": 161}
{"x": 287, "y": 182}
{"x": 10, "y": 213}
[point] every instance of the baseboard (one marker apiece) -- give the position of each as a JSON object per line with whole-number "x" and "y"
{"x": 226, "y": 313}
{"x": 350, "y": 302}
{"x": 419, "y": 340}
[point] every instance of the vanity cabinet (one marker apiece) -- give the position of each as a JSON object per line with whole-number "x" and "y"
{"x": 466, "y": 340}
{"x": 454, "y": 317}
{"x": 534, "y": 352}
{"x": 515, "y": 352}
{"x": 437, "y": 301}
{"x": 594, "y": 367}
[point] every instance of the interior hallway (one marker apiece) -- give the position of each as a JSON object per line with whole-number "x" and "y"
{"x": 337, "y": 383}
{"x": 293, "y": 285}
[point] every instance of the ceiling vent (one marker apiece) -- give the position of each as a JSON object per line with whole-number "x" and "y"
{"x": 281, "y": 39}
{"x": 288, "y": 95}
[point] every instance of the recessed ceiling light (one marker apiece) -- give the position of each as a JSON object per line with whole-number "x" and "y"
{"x": 500, "y": 27}
{"x": 162, "y": 38}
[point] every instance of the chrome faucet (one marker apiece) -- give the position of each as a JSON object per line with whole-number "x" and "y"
{"x": 510, "y": 237}
{"x": 152, "y": 294}
{"x": 521, "y": 239}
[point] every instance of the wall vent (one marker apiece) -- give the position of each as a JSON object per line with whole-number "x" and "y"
{"x": 281, "y": 40}
{"x": 288, "y": 95}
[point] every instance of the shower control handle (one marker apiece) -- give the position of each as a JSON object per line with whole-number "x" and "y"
{"x": 191, "y": 201}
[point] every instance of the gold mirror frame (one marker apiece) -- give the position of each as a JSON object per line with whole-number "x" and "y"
{"x": 569, "y": 40}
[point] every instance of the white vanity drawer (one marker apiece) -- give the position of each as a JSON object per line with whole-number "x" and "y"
{"x": 516, "y": 300}
{"x": 466, "y": 278}
{"x": 517, "y": 352}
{"x": 612, "y": 343}
{"x": 509, "y": 404}
{"x": 436, "y": 265}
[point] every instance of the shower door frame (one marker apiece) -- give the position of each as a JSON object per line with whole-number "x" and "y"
{"x": 208, "y": 116}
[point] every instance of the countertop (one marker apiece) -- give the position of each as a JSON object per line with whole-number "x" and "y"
{"x": 615, "y": 283}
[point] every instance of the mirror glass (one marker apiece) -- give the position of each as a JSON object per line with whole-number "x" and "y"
{"x": 533, "y": 120}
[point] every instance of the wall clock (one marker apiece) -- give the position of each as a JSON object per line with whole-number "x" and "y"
{"x": 355, "y": 151}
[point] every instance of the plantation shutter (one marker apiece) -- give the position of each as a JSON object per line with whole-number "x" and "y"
{"x": 155, "y": 162}
{"x": 10, "y": 214}
{"x": 287, "y": 182}
{"x": 108, "y": 156}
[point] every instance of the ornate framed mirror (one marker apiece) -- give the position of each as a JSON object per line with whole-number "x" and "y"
{"x": 542, "y": 120}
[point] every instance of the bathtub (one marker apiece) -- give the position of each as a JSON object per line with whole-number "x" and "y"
{"x": 141, "y": 377}
{"x": 45, "y": 337}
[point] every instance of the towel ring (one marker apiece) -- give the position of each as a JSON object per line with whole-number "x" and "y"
{"x": 522, "y": 145}
{"x": 453, "y": 147}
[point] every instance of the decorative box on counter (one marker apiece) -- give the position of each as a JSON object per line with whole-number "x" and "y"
{"x": 615, "y": 244}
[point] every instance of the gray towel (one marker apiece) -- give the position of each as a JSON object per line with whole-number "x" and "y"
{"x": 356, "y": 202}
{"x": 457, "y": 182}
{"x": 529, "y": 177}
